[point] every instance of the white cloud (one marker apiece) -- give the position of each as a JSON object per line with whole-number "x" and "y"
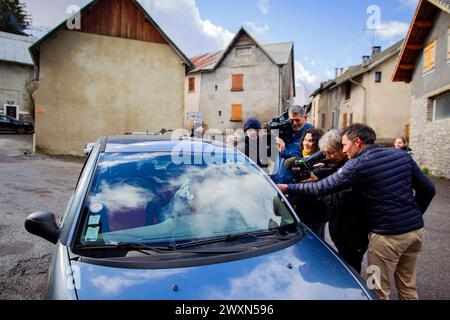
{"x": 263, "y": 6}
{"x": 196, "y": 35}
{"x": 303, "y": 75}
{"x": 392, "y": 30}
{"x": 409, "y": 3}
{"x": 259, "y": 31}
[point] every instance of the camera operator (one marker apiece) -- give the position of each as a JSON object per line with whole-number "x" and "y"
{"x": 291, "y": 147}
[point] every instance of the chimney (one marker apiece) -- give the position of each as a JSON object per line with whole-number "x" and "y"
{"x": 341, "y": 71}
{"x": 365, "y": 59}
{"x": 375, "y": 49}
{"x": 336, "y": 72}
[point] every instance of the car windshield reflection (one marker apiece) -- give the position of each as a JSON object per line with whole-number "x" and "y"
{"x": 148, "y": 198}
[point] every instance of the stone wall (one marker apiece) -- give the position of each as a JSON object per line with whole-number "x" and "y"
{"x": 429, "y": 140}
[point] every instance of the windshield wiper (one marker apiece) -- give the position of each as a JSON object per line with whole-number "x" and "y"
{"x": 129, "y": 246}
{"x": 228, "y": 238}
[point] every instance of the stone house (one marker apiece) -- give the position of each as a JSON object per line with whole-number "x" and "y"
{"x": 425, "y": 63}
{"x": 365, "y": 93}
{"x": 244, "y": 80}
{"x": 115, "y": 72}
{"x": 16, "y": 68}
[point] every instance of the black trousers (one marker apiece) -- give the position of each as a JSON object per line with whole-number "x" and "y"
{"x": 352, "y": 256}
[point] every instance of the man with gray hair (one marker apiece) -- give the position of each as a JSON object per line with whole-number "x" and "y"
{"x": 348, "y": 225}
{"x": 291, "y": 147}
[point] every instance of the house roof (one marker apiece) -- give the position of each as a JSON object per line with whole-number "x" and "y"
{"x": 417, "y": 34}
{"x": 14, "y": 48}
{"x": 377, "y": 59}
{"x": 279, "y": 53}
{"x": 35, "y": 51}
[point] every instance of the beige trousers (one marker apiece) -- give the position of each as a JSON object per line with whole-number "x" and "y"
{"x": 395, "y": 256}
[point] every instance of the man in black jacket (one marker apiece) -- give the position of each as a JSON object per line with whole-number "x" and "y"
{"x": 394, "y": 193}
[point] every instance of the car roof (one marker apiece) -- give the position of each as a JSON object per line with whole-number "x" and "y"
{"x": 160, "y": 143}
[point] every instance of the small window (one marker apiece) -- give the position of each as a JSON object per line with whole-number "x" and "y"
{"x": 441, "y": 107}
{"x": 378, "y": 76}
{"x": 243, "y": 51}
{"x": 429, "y": 57}
{"x": 236, "y": 112}
{"x": 220, "y": 113}
{"x": 348, "y": 90}
{"x": 322, "y": 120}
{"x": 351, "y": 119}
{"x": 344, "y": 120}
{"x": 237, "y": 82}
{"x": 191, "y": 84}
{"x": 216, "y": 87}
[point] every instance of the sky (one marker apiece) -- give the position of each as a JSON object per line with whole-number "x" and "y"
{"x": 326, "y": 33}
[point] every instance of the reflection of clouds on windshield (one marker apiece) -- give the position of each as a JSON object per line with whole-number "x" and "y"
{"x": 122, "y": 196}
{"x": 219, "y": 190}
{"x": 113, "y": 285}
{"x": 272, "y": 278}
{"x": 124, "y": 158}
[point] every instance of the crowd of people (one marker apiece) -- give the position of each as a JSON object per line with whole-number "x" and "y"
{"x": 372, "y": 197}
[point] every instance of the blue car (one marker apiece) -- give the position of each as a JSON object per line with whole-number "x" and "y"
{"x": 159, "y": 219}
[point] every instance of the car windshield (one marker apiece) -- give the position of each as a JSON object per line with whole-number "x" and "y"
{"x": 148, "y": 198}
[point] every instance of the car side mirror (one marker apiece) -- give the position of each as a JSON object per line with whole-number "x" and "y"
{"x": 43, "y": 224}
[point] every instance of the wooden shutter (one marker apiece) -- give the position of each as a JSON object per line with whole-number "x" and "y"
{"x": 191, "y": 84}
{"x": 236, "y": 112}
{"x": 429, "y": 52}
{"x": 237, "y": 83}
{"x": 344, "y": 120}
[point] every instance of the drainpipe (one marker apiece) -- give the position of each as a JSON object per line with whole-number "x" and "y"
{"x": 279, "y": 90}
{"x": 365, "y": 99}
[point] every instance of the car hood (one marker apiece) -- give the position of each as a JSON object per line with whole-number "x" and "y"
{"x": 306, "y": 270}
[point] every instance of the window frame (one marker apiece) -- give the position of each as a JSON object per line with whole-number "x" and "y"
{"x": 434, "y": 101}
{"x": 191, "y": 80}
{"x": 428, "y": 68}
{"x": 380, "y": 74}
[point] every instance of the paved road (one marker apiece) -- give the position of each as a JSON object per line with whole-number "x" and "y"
{"x": 39, "y": 183}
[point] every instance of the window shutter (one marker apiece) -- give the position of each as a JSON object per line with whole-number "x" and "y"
{"x": 237, "y": 82}
{"x": 236, "y": 112}
{"x": 191, "y": 84}
{"x": 429, "y": 57}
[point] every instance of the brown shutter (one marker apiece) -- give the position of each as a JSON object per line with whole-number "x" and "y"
{"x": 344, "y": 120}
{"x": 237, "y": 83}
{"x": 191, "y": 84}
{"x": 236, "y": 112}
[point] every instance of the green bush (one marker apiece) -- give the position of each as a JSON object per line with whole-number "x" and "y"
{"x": 425, "y": 171}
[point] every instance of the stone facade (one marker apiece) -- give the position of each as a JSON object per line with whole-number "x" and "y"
{"x": 429, "y": 140}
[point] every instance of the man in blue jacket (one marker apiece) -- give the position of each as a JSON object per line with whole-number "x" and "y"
{"x": 394, "y": 193}
{"x": 291, "y": 147}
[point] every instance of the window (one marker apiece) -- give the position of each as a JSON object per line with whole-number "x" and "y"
{"x": 237, "y": 82}
{"x": 429, "y": 56}
{"x": 378, "y": 76}
{"x": 351, "y": 119}
{"x": 236, "y": 112}
{"x": 348, "y": 90}
{"x": 243, "y": 51}
{"x": 191, "y": 84}
{"x": 441, "y": 107}
{"x": 322, "y": 121}
{"x": 344, "y": 120}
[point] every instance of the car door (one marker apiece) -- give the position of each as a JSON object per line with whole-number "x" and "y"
{"x": 6, "y": 124}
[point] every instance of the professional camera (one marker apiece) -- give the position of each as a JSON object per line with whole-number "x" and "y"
{"x": 302, "y": 167}
{"x": 283, "y": 124}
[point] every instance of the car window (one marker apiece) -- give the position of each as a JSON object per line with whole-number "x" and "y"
{"x": 149, "y": 198}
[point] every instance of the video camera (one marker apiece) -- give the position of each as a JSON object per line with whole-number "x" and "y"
{"x": 302, "y": 167}
{"x": 283, "y": 124}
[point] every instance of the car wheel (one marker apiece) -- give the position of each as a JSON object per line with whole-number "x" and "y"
{"x": 21, "y": 131}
